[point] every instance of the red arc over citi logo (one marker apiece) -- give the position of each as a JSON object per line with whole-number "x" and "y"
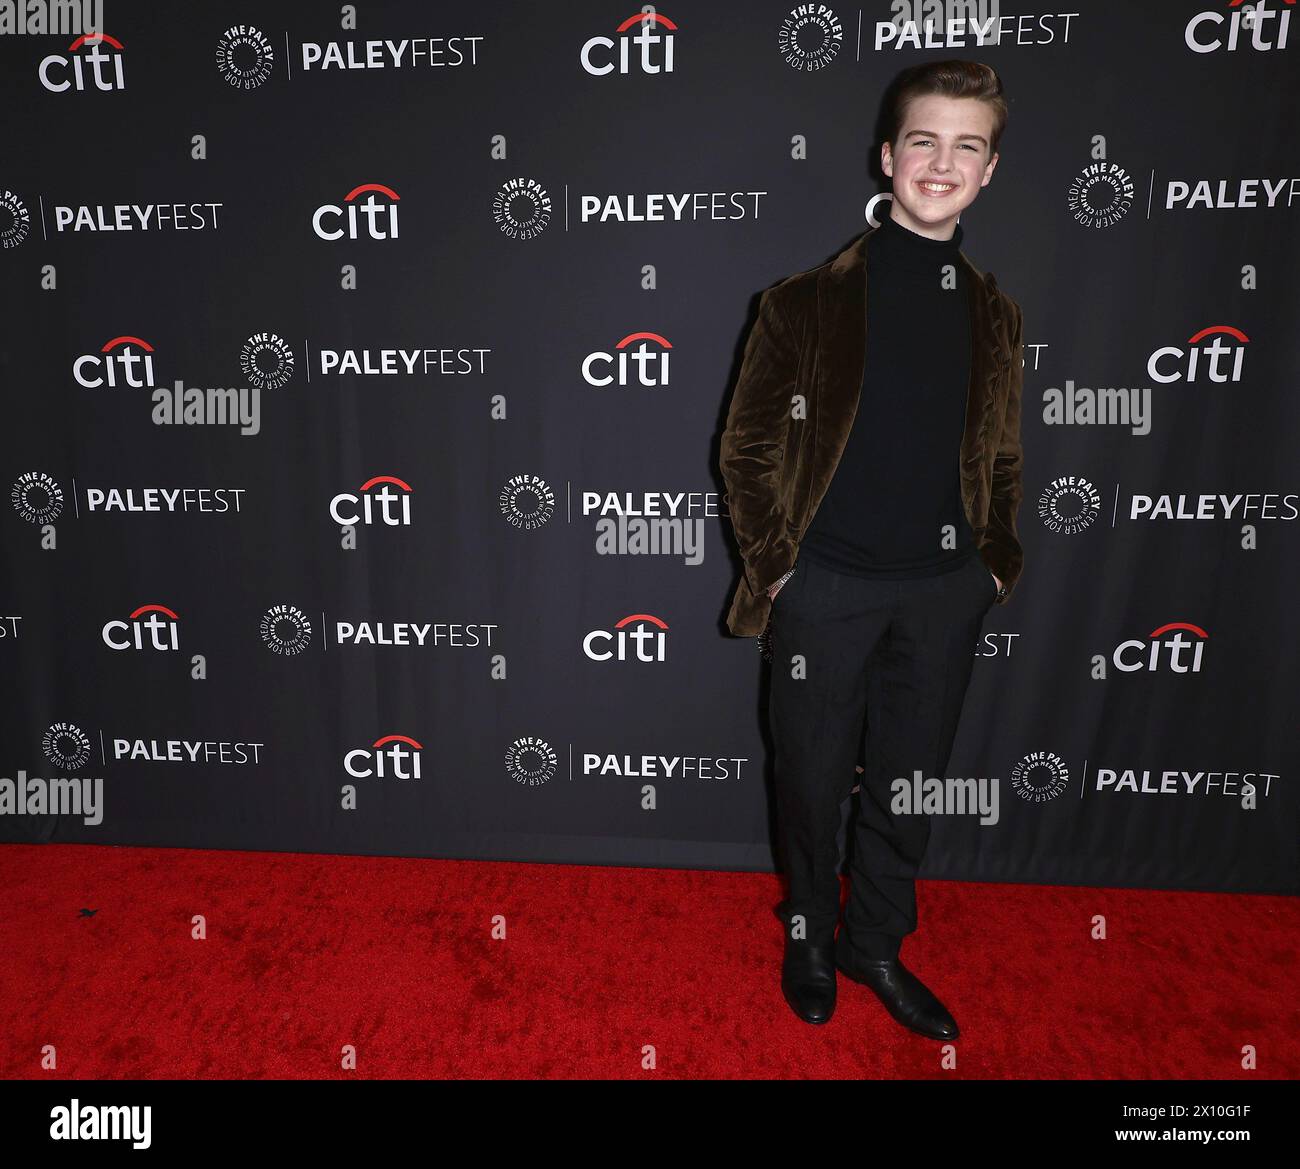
{"x": 111, "y": 369}
{"x": 53, "y": 69}
{"x": 648, "y": 36}
{"x": 392, "y": 757}
{"x": 144, "y": 629}
{"x": 384, "y": 501}
{"x": 624, "y": 641}
{"x": 1186, "y": 362}
{"x": 651, "y": 366}
{"x": 1170, "y": 650}
{"x": 355, "y": 209}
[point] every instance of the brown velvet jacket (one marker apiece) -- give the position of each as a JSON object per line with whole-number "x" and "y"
{"x": 807, "y": 349}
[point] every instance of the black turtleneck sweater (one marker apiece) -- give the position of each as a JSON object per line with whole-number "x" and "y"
{"x": 898, "y": 483}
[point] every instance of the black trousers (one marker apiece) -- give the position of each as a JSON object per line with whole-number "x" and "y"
{"x": 893, "y": 657}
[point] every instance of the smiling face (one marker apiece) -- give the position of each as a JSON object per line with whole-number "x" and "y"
{"x": 942, "y": 162}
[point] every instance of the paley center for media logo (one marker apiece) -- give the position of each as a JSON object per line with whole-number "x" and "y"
{"x": 67, "y": 747}
{"x": 810, "y": 37}
{"x": 521, "y": 208}
{"x": 15, "y": 220}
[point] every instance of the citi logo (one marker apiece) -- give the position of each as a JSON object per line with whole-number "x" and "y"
{"x": 1206, "y": 31}
{"x": 149, "y": 627}
{"x": 648, "y": 362}
{"x": 123, "y": 361}
{"x": 1172, "y": 363}
{"x": 656, "y": 54}
{"x": 378, "y": 501}
{"x": 378, "y": 209}
{"x": 392, "y": 757}
{"x": 1161, "y": 651}
{"x": 640, "y": 637}
{"x": 53, "y": 70}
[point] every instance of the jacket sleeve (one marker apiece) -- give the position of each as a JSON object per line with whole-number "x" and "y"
{"x": 753, "y": 445}
{"x": 1006, "y": 557}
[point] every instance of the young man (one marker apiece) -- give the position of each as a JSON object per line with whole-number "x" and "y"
{"x": 872, "y": 460}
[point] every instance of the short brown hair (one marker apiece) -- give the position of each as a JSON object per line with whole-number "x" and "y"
{"x": 947, "y": 79}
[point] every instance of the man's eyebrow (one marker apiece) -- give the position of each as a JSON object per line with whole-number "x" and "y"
{"x": 931, "y": 134}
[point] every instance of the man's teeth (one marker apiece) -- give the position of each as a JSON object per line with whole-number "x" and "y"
{"x": 938, "y": 186}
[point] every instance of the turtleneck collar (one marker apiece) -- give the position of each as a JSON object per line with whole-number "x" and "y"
{"x": 901, "y": 247}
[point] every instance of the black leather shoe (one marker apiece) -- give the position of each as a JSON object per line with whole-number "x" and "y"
{"x": 808, "y": 979}
{"x": 905, "y": 996}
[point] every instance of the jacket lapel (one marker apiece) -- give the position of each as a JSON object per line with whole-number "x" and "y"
{"x": 841, "y": 358}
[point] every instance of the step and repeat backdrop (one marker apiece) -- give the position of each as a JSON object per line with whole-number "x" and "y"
{"x": 364, "y": 370}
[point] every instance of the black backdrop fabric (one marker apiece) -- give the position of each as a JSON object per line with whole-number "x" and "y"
{"x": 460, "y": 590}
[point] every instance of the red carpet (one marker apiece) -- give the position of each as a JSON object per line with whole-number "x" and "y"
{"x": 305, "y": 954}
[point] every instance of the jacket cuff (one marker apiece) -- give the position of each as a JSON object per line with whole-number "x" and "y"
{"x": 771, "y": 566}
